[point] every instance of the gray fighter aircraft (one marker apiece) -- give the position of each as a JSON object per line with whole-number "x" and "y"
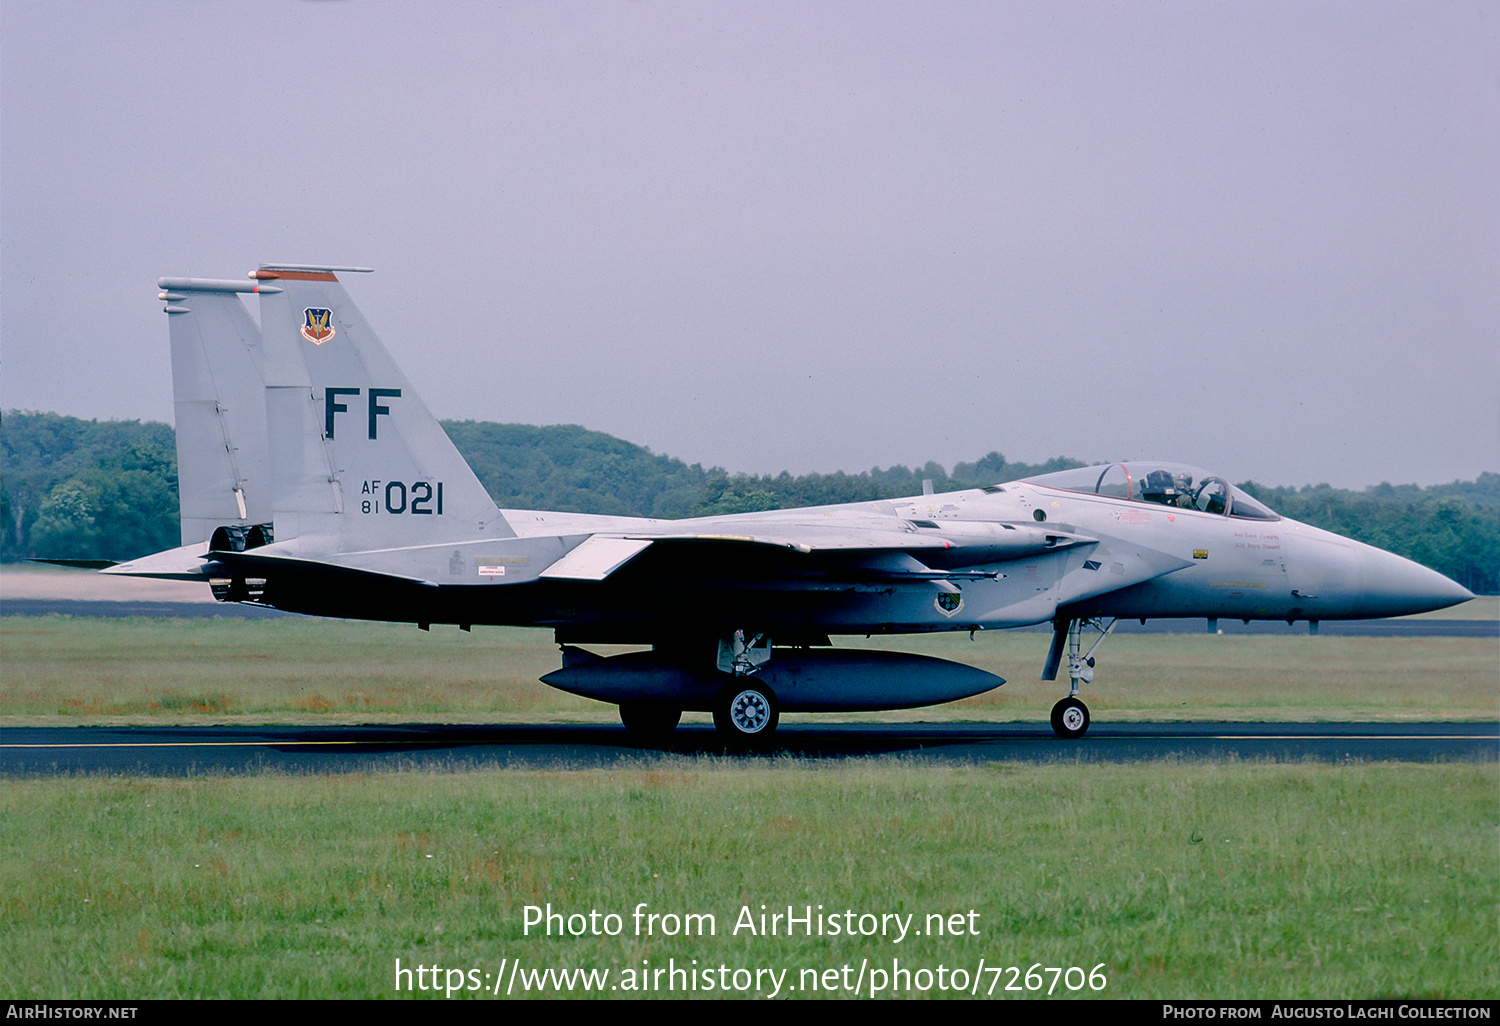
{"x": 314, "y": 479}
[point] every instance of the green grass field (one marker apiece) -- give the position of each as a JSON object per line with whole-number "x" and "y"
{"x": 1185, "y": 879}
{"x": 1199, "y": 880}
{"x": 1485, "y": 607}
{"x": 95, "y": 670}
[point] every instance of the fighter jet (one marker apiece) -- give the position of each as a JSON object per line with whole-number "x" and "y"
{"x": 314, "y": 479}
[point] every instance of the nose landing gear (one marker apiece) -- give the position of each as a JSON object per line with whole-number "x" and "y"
{"x": 1070, "y": 717}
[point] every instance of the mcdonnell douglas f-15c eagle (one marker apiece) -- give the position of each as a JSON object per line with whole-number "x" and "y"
{"x": 314, "y": 479}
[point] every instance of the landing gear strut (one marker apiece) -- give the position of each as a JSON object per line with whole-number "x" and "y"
{"x": 746, "y": 711}
{"x": 1070, "y": 717}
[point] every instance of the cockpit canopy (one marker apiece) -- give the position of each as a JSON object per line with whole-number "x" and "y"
{"x": 1166, "y": 484}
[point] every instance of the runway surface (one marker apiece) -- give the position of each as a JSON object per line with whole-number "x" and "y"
{"x": 184, "y": 751}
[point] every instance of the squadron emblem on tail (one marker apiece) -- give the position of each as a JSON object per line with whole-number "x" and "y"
{"x": 317, "y": 325}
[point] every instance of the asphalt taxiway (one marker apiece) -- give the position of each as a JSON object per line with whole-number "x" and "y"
{"x": 186, "y": 751}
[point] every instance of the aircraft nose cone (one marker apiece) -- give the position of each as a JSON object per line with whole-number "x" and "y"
{"x": 1395, "y": 586}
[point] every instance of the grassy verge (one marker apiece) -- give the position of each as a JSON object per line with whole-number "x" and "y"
{"x": 1485, "y": 607}
{"x": 1232, "y": 881}
{"x": 94, "y": 670}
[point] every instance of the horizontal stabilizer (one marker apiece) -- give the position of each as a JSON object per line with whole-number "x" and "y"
{"x": 184, "y": 563}
{"x": 81, "y": 564}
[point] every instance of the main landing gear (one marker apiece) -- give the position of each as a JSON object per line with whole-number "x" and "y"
{"x": 745, "y": 708}
{"x": 745, "y": 711}
{"x": 1070, "y": 717}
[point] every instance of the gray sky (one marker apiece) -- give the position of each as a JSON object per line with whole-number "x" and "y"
{"x": 1260, "y": 237}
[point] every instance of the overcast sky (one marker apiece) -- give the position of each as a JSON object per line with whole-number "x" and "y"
{"x": 1259, "y": 237}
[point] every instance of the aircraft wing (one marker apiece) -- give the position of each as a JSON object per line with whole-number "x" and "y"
{"x": 883, "y": 551}
{"x": 877, "y": 549}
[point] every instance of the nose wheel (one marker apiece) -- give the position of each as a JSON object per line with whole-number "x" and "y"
{"x": 1070, "y": 718}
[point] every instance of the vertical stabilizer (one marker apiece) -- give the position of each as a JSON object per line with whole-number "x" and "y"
{"x": 218, "y": 390}
{"x": 358, "y": 461}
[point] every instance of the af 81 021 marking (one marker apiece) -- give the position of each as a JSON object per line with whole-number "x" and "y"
{"x": 419, "y": 498}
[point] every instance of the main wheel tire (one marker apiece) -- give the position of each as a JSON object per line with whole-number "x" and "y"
{"x": 746, "y": 715}
{"x": 1070, "y": 718}
{"x": 648, "y": 721}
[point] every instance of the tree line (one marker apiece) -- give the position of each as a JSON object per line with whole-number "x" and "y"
{"x": 89, "y": 489}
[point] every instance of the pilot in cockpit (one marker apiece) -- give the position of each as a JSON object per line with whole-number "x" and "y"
{"x": 1162, "y": 487}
